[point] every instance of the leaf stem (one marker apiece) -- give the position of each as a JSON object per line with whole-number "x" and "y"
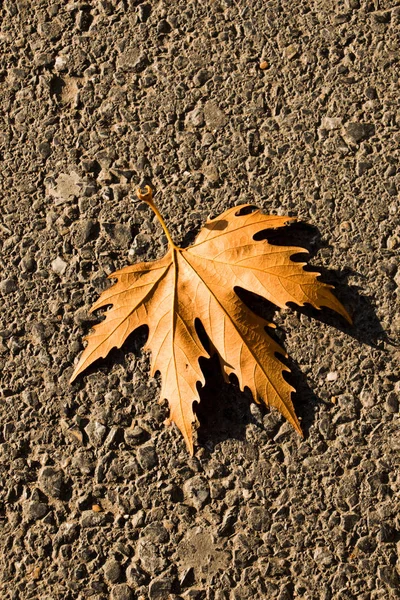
{"x": 147, "y": 196}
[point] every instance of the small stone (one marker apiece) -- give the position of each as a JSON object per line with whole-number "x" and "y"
{"x": 144, "y": 11}
{"x": 114, "y": 437}
{"x": 28, "y": 264}
{"x": 135, "y": 436}
{"x": 43, "y": 59}
{"x": 79, "y": 572}
{"x": 45, "y": 149}
{"x": 85, "y": 229}
{"x": 107, "y": 6}
{"x": 134, "y": 575}
{"x": 215, "y": 118}
{"x": 75, "y": 434}
{"x": 349, "y": 521}
{"x": 284, "y": 433}
{"x": 389, "y": 576}
{"x": 371, "y": 94}
{"x": 259, "y": 518}
{"x": 133, "y": 59}
{"x": 160, "y": 588}
{"x": 36, "y": 510}
{"x": 195, "y": 118}
{"x": 381, "y": 16}
{"x": 291, "y": 51}
{"x": 81, "y": 316}
{"x": 141, "y": 243}
{"x": 362, "y": 167}
{"x": 83, "y": 20}
{"x": 60, "y": 63}
{"x": 332, "y": 376}
{"x": 392, "y": 242}
{"x": 96, "y": 433}
{"x": 163, "y": 27}
{"x": 352, "y": 4}
{"x": 228, "y": 522}
{"x": 331, "y": 123}
{"x": 341, "y": 18}
{"x": 138, "y": 519}
{"x": 326, "y": 428}
{"x": 121, "y": 592}
{"x": 174, "y": 493}
{"x": 59, "y": 266}
{"x": 89, "y": 165}
{"x": 201, "y": 77}
{"x": 367, "y": 399}
{"x": 345, "y": 226}
{"x": 392, "y": 403}
{"x": 386, "y": 533}
{"x": 155, "y": 533}
{"x": 390, "y": 171}
{"x": 88, "y": 189}
{"x": 66, "y": 187}
{"x": 120, "y": 234}
{"x": 8, "y": 286}
{"x": 50, "y": 29}
{"x": 323, "y": 556}
{"x": 38, "y": 333}
{"x": 211, "y": 173}
{"x": 207, "y": 139}
{"x": 256, "y": 413}
{"x": 142, "y": 163}
{"x": 196, "y": 491}
{"x": 348, "y": 409}
{"x": 112, "y": 570}
{"x": 51, "y": 481}
{"x": 147, "y": 457}
{"x": 366, "y": 544}
{"x": 254, "y": 146}
{"x": 92, "y": 518}
{"x": 263, "y": 65}
{"x": 8, "y": 429}
{"x": 357, "y": 132}
{"x": 150, "y": 557}
{"x": 105, "y": 177}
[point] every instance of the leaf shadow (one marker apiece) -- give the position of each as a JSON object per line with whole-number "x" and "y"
{"x": 133, "y": 345}
{"x": 223, "y": 411}
{"x": 366, "y": 327}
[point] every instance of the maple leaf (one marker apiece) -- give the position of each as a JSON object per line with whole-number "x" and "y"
{"x": 198, "y": 282}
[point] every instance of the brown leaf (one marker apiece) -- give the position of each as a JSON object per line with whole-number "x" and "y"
{"x": 198, "y": 282}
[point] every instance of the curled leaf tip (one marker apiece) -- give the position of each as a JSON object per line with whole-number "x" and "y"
{"x": 146, "y": 194}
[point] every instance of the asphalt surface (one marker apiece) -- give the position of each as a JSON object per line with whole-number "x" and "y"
{"x": 292, "y": 106}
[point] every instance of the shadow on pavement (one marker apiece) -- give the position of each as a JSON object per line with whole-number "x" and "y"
{"x": 224, "y": 411}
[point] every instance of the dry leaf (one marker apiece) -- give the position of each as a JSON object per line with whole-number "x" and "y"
{"x": 198, "y": 282}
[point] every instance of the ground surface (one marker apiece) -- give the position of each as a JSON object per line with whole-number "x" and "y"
{"x": 98, "y": 498}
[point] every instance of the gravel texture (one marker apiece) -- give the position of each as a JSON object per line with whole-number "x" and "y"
{"x": 292, "y": 105}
